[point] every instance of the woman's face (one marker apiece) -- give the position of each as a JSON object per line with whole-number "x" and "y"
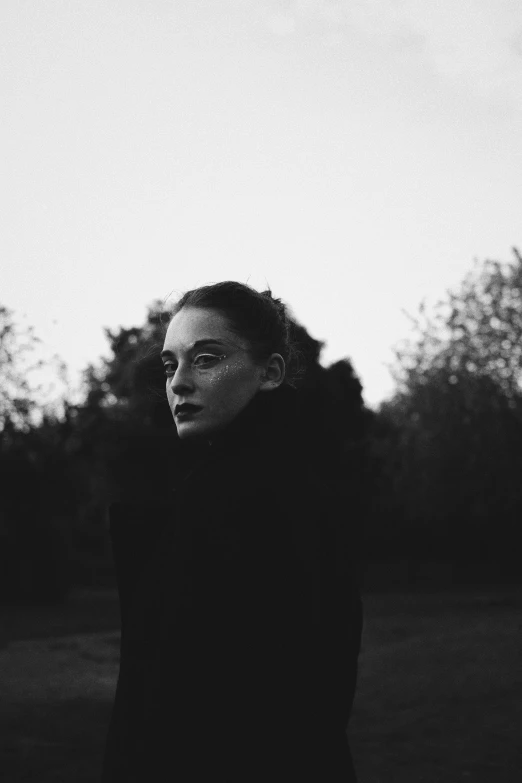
{"x": 209, "y": 371}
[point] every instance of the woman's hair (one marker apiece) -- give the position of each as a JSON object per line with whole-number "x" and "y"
{"x": 255, "y": 316}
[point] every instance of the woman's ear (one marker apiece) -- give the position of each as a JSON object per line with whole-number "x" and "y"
{"x": 274, "y": 373}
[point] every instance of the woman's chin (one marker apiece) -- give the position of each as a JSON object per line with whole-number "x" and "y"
{"x": 190, "y": 430}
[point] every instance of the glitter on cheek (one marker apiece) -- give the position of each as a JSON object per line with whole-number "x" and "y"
{"x": 225, "y": 372}
{"x": 218, "y": 375}
{"x": 228, "y": 387}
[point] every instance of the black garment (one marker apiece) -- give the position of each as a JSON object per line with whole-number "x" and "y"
{"x": 241, "y": 617}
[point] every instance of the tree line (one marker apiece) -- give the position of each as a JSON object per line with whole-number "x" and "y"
{"x": 429, "y": 479}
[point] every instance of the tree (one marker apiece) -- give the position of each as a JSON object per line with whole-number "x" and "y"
{"x": 17, "y": 398}
{"x": 475, "y": 331}
{"x": 457, "y": 420}
{"x": 124, "y": 426}
{"x": 23, "y": 398}
{"x": 37, "y": 495}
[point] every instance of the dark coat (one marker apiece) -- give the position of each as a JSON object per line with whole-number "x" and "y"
{"x": 241, "y": 617}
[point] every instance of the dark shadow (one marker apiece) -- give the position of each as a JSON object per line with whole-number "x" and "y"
{"x": 61, "y": 741}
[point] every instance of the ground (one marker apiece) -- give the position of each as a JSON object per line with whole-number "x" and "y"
{"x": 439, "y": 696}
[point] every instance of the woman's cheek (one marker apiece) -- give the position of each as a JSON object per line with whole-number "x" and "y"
{"x": 229, "y": 385}
{"x": 219, "y": 375}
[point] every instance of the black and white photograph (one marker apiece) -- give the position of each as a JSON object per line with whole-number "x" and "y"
{"x": 260, "y": 391}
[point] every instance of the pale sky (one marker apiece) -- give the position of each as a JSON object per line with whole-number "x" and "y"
{"x": 356, "y": 156}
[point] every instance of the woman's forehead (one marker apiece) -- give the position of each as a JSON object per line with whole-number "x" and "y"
{"x": 192, "y": 324}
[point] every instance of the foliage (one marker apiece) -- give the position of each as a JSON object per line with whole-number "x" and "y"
{"x": 124, "y": 427}
{"x": 453, "y": 448}
{"x": 37, "y": 496}
{"x": 476, "y": 331}
{"x": 17, "y": 399}
{"x": 23, "y": 398}
{"x": 131, "y": 383}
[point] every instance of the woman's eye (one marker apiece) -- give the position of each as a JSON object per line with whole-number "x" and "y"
{"x": 204, "y": 359}
{"x": 201, "y": 360}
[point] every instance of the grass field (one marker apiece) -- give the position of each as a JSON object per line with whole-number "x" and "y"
{"x": 439, "y": 696}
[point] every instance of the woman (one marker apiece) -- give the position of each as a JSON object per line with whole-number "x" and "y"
{"x": 241, "y": 619}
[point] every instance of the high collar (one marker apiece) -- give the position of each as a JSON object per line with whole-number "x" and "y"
{"x": 270, "y": 417}
{"x": 268, "y": 425}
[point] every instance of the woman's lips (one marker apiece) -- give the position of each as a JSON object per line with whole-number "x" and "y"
{"x": 187, "y": 411}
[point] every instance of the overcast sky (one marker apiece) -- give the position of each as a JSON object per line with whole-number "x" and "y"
{"x": 356, "y": 156}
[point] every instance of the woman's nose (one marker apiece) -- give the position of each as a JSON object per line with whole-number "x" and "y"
{"x": 181, "y": 381}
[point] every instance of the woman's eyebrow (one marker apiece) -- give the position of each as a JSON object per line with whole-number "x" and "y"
{"x": 197, "y": 344}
